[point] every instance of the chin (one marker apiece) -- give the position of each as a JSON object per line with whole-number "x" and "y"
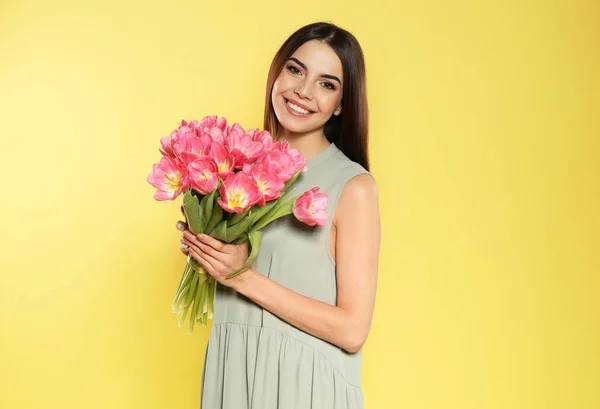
{"x": 291, "y": 126}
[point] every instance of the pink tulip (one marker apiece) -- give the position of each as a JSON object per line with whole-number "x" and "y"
{"x": 279, "y": 163}
{"x": 169, "y": 143}
{"x": 208, "y": 122}
{"x": 203, "y": 175}
{"x": 168, "y": 178}
{"x": 168, "y": 147}
{"x": 217, "y": 135}
{"x": 238, "y": 193}
{"x": 194, "y": 125}
{"x": 192, "y": 146}
{"x": 183, "y": 139}
{"x": 223, "y": 158}
{"x": 309, "y": 208}
{"x": 243, "y": 148}
{"x": 298, "y": 160}
{"x": 212, "y": 121}
{"x": 263, "y": 137}
{"x": 268, "y": 184}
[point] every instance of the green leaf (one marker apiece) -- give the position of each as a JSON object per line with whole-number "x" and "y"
{"x": 237, "y": 230}
{"x": 193, "y": 212}
{"x": 216, "y": 215}
{"x": 292, "y": 180}
{"x": 254, "y": 241}
{"x": 220, "y": 232}
{"x": 207, "y": 205}
{"x": 268, "y": 217}
{"x": 238, "y": 217}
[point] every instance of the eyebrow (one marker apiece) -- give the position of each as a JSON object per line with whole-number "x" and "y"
{"x": 331, "y": 77}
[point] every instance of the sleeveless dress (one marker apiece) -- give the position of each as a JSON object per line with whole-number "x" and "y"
{"x": 255, "y": 360}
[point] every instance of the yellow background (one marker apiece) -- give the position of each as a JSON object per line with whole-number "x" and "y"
{"x": 484, "y": 141}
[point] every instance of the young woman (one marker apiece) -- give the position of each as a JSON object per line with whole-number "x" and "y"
{"x": 288, "y": 333}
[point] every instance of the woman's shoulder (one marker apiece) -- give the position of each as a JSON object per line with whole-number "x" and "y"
{"x": 346, "y": 168}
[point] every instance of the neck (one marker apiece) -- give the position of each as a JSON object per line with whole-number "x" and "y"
{"x": 310, "y": 144}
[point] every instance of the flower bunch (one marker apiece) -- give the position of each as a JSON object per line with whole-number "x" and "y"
{"x": 234, "y": 182}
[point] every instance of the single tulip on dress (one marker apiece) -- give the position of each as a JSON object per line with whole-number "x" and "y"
{"x": 309, "y": 208}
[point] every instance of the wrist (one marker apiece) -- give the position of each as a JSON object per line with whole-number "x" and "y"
{"x": 241, "y": 281}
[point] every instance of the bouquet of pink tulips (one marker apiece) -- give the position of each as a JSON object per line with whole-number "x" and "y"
{"x": 234, "y": 182}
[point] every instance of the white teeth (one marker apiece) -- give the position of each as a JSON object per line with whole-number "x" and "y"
{"x": 297, "y": 108}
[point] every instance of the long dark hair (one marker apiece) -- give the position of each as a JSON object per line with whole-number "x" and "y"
{"x": 349, "y": 130}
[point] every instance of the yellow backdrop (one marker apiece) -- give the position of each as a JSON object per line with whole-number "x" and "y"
{"x": 484, "y": 126}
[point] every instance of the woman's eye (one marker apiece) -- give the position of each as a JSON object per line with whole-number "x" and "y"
{"x": 293, "y": 69}
{"x": 329, "y": 85}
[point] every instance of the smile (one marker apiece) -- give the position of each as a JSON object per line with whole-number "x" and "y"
{"x": 296, "y": 110}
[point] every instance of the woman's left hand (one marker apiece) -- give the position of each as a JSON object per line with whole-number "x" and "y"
{"x": 218, "y": 258}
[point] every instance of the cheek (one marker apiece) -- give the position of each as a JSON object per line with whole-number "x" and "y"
{"x": 328, "y": 103}
{"x": 283, "y": 83}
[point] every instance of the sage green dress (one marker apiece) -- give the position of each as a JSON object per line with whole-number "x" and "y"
{"x": 255, "y": 360}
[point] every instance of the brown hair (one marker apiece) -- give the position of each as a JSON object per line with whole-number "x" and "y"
{"x": 349, "y": 130}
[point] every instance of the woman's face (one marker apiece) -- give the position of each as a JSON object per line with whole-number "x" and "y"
{"x": 309, "y": 88}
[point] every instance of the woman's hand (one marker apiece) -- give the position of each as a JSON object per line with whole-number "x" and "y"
{"x": 218, "y": 258}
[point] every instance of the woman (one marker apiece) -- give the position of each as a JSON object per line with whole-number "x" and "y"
{"x": 288, "y": 332}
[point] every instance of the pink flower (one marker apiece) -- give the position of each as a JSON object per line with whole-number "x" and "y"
{"x": 238, "y": 193}
{"x": 168, "y": 147}
{"x": 223, "y": 159}
{"x": 203, "y": 175}
{"x": 217, "y": 135}
{"x": 268, "y": 184}
{"x": 186, "y": 138}
{"x": 212, "y": 121}
{"x": 309, "y": 208}
{"x": 298, "y": 160}
{"x": 263, "y": 137}
{"x": 192, "y": 146}
{"x": 168, "y": 178}
{"x": 169, "y": 143}
{"x": 243, "y": 148}
{"x": 279, "y": 163}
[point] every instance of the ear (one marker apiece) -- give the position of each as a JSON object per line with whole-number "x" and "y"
{"x": 338, "y": 110}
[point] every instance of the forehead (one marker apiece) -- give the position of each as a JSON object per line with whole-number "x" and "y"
{"x": 319, "y": 57}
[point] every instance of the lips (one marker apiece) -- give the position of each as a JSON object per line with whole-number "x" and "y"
{"x": 299, "y": 104}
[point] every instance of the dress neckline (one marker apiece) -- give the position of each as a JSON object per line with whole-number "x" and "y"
{"x": 321, "y": 156}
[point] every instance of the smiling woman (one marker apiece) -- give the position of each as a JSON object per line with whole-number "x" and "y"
{"x": 317, "y": 74}
{"x": 288, "y": 332}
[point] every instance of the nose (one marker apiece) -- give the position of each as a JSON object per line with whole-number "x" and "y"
{"x": 304, "y": 90}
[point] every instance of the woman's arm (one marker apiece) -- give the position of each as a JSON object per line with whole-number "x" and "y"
{"x": 356, "y": 251}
